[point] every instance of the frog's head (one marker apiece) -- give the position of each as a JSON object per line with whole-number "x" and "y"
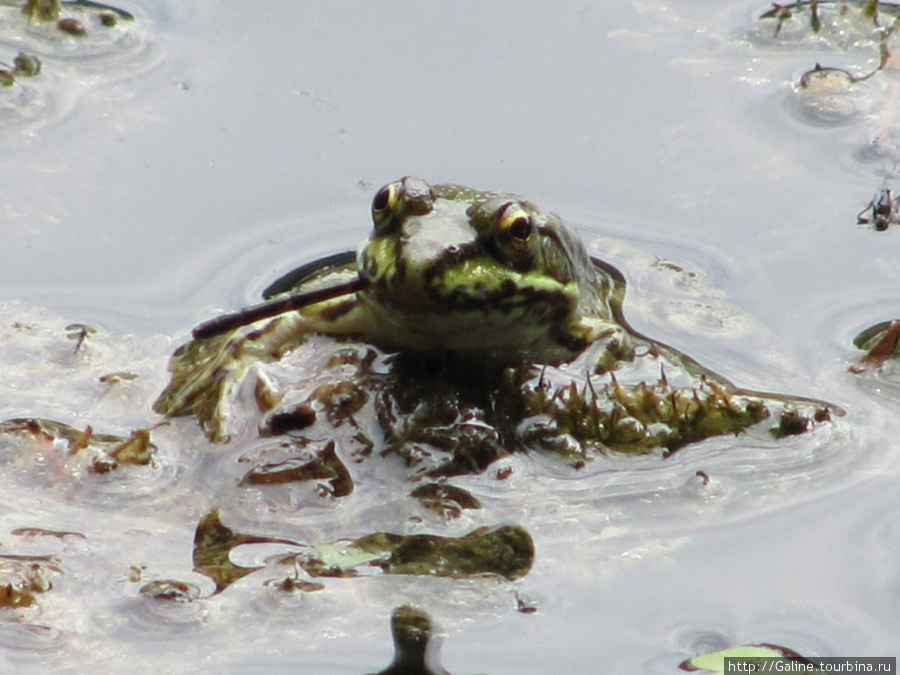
{"x": 448, "y": 267}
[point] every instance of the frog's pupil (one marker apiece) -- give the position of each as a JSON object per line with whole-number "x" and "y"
{"x": 520, "y": 228}
{"x": 381, "y": 199}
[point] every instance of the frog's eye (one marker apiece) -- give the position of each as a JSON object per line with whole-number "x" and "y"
{"x": 406, "y": 197}
{"x": 384, "y": 203}
{"x": 516, "y": 236}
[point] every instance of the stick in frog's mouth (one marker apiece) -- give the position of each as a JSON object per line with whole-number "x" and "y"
{"x": 264, "y": 310}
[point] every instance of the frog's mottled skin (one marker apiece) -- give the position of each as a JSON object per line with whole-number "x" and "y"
{"x": 475, "y": 272}
{"x": 509, "y": 337}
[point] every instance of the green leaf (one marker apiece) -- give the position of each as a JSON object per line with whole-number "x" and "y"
{"x": 715, "y": 662}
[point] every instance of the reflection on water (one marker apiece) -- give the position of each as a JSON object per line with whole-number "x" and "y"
{"x": 78, "y": 45}
{"x": 857, "y": 86}
{"x": 640, "y": 563}
{"x": 414, "y": 646}
{"x": 613, "y": 509}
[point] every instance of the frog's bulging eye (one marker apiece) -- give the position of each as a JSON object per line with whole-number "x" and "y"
{"x": 383, "y": 198}
{"x": 520, "y": 228}
{"x": 406, "y": 197}
{"x": 515, "y": 232}
{"x": 384, "y": 203}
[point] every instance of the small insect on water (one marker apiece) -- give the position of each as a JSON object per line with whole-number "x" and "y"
{"x": 881, "y": 212}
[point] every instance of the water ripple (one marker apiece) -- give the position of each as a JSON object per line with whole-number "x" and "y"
{"x": 69, "y": 64}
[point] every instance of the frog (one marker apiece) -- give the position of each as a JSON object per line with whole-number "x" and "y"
{"x": 469, "y": 325}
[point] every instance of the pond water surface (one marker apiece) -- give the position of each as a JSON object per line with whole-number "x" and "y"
{"x": 172, "y": 169}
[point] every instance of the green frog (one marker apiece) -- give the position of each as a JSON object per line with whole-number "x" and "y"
{"x": 477, "y": 325}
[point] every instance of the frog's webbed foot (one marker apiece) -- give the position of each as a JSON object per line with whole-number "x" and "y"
{"x": 617, "y": 343}
{"x": 207, "y": 373}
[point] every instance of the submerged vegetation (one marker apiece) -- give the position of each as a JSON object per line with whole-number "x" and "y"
{"x": 837, "y": 16}
{"x": 104, "y": 452}
{"x": 286, "y": 411}
{"x": 24, "y": 65}
{"x": 53, "y": 10}
{"x": 833, "y": 93}
{"x": 505, "y": 551}
{"x": 847, "y": 25}
{"x": 43, "y": 28}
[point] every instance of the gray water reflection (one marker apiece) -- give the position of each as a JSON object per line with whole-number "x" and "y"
{"x": 229, "y": 142}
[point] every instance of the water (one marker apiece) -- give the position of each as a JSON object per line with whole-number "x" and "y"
{"x": 178, "y": 171}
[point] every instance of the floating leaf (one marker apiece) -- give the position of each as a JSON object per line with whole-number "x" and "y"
{"x": 110, "y": 452}
{"x": 27, "y": 64}
{"x": 880, "y": 342}
{"x": 213, "y": 543}
{"x": 23, "y": 578}
{"x": 325, "y": 466}
{"x": 171, "y": 590}
{"x": 41, "y": 532}
{"x": 715, "y": 662}
{"x": 447, "y": 500}
{"x": 506, "y": 551}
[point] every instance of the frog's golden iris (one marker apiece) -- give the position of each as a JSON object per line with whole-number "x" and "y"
{"x": 498, "y": 283}
{"x": 447, "y": 267}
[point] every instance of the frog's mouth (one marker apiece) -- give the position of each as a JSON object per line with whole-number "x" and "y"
{"x": 487, "y": 312}
{"x": 467, "y": 280}
{"x": 509, "y": 302}
{"x": 443, "y": 287}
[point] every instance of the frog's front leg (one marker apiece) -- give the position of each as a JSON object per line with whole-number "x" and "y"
{"x": 207, "y": 373}
{"x": 617, "y": 344}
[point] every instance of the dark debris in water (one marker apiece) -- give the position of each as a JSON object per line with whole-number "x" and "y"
{"x": 32, "y": 532}
{"x": 24, "y": 65}
{"x": 294, "y": 584}
{"x": 793, "y": 422}
{"x": 107, "y": 452}
{"x": 213, "y": 543}
{"x": 297, "y": 418}
{"x": 447, "y": 500}
{"x": 51, "y": 10}
{"x": 71, "y": 26}
{"x": 170, "y": 590}
{"x": 882, "y": 212}
{"x": 415, "y": 653}
{"x": 880, "y": 343}
{"x": 24, "y": 578}
{"x": 446, "y": 418}
{"x": 506, "y": 551}
{"x": 810, "y": 9}
{"x": 324, "y": 466}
